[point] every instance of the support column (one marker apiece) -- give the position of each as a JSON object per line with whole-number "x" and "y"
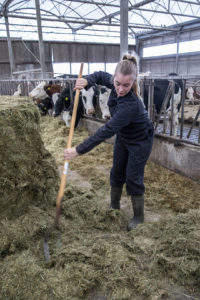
{"x": 41, "y": 44}
{"x": 177, "y": 51}
{"x": 10, "y": 52}
{"x": 123, "y": 27}
{"x": 137, "y": 50}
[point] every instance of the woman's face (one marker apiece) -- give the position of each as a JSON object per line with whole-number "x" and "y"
{"x": 123, "y": 84}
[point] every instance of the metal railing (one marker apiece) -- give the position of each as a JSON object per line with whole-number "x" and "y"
{"x": 187, "y": 132}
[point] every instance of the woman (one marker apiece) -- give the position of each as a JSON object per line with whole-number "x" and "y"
{"x": 134, "y": 135}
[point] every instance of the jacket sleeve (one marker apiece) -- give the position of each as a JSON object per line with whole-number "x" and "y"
{"x": 100, "y": 78}
{"x": 121, "y": 118}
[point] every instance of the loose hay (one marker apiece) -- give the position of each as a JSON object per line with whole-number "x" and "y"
{"x": 92, "y": 255}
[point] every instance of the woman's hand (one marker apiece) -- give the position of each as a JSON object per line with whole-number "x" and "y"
{"x": 81, "y": 83}
{"x": 70, "y": 153}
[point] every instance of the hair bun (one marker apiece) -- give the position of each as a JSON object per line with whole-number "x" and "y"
{"x": 130, "y": 57}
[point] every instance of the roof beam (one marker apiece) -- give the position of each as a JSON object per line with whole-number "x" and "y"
{"x": 5, "y": 4}
{"x": 182, "y": 26}
{"x": 97, "y": 3}
{"x": 167, "y": 13}
{"x": 187, "y": 2}
{"x": 144, "y": 2}
{"x": 89, "y": 23}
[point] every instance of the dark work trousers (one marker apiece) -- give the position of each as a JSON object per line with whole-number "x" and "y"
{"x": 128, "y": 164}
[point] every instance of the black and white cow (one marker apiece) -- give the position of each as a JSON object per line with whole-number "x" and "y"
{"x": 42, "y": 96}
{"x": 90, "y": 98}
{"x": 160, "y": 89}
{"x": 63, "y": 105}
{"x": 87, "y": 104}
{"x": 104, "y": 94}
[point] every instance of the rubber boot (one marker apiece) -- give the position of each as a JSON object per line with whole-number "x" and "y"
{"x": 116, "y": 192}
{"x": 138, "y": 210}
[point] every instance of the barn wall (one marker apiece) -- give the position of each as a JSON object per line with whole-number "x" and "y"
{"x": 26, "y": 55}
{"x": 79, "y": 52}
{"x": 172, "y": 154}
{"x": 188, "y": 63}
{"x": 26, "y": 58}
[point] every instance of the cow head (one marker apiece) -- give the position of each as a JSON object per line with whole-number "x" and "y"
{"x": 87, "y": 98}
{"x": 190, "y": 93}
{"x": 51, "y": 89}
{"x": 38, "y": 92}
{"x": 66, "y": 118}
{"x": 55, "y": 97}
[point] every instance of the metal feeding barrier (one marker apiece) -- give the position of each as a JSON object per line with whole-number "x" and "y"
{"x": 8, "y": 87}
{"x": 189, "y": 133}
{"x": 186, "y": 132}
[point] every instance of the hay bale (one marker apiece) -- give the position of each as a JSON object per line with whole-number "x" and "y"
{"x": 28, "y": 173}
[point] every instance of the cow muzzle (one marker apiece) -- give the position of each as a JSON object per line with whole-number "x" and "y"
{"x": 90, "y": 111}
{"x": 106, "y": 117}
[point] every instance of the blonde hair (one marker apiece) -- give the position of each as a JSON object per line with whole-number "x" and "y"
{"x": 129, "y": 66}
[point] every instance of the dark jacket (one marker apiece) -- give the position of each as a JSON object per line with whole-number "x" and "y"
{"x": 129, "y": 118}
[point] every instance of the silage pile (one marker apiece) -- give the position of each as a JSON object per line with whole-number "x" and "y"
{"x": 28, "y": 173}
{"x": 92, "y": 256}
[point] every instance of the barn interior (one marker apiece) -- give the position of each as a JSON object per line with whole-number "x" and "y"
{"x": 91, "y": 256}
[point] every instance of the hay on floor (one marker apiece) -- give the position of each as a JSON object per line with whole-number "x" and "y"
{"x": 92, "y": 256}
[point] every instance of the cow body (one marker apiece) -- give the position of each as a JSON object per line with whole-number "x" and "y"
{"x": 103, "y": 102}
{"x": 172, "y": 112}
{"x": 61, "y": 102}
{"x": 18, "y": 92}
{"x": 160, "y": 89}
{"x": 192, "y": 94}
{"x": 63, "y": 106}
{"x": 51, "y": 89}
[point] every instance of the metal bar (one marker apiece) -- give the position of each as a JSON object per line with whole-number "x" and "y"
{"x": 167, "y": 13}
{"x": 199, "y": 134}
{"x": 174, "y": 139}
{"x": 193, "y": 123}
{"x": 177, "y": 51}
{"x": 182, "y": 107}
{"x": 10, "y": 52}
{"x": 152, "y": 102}
{"x": 91, "y": 23}
{"x": 78, "y": 34}
{"x": 118, "y": 12}
{"x": 27, "y": 71}
{"x": 189, "y": 2}
{"x": 172, "y": 129}
{"x": 150, "y": 99}
{"x": 5, "y": 4}
{"x": 164, "y": 104}
{"x": 97, "y": 3}
{"x": 41, "y": 44}
{"x": 123, "y": 27}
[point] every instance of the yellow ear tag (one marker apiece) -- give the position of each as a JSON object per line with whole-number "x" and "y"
{"x": 66, "y": 98}
{"x": 48, "y": 88}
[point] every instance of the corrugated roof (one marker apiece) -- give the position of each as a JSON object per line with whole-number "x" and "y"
{"x": 93, "y": 21}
